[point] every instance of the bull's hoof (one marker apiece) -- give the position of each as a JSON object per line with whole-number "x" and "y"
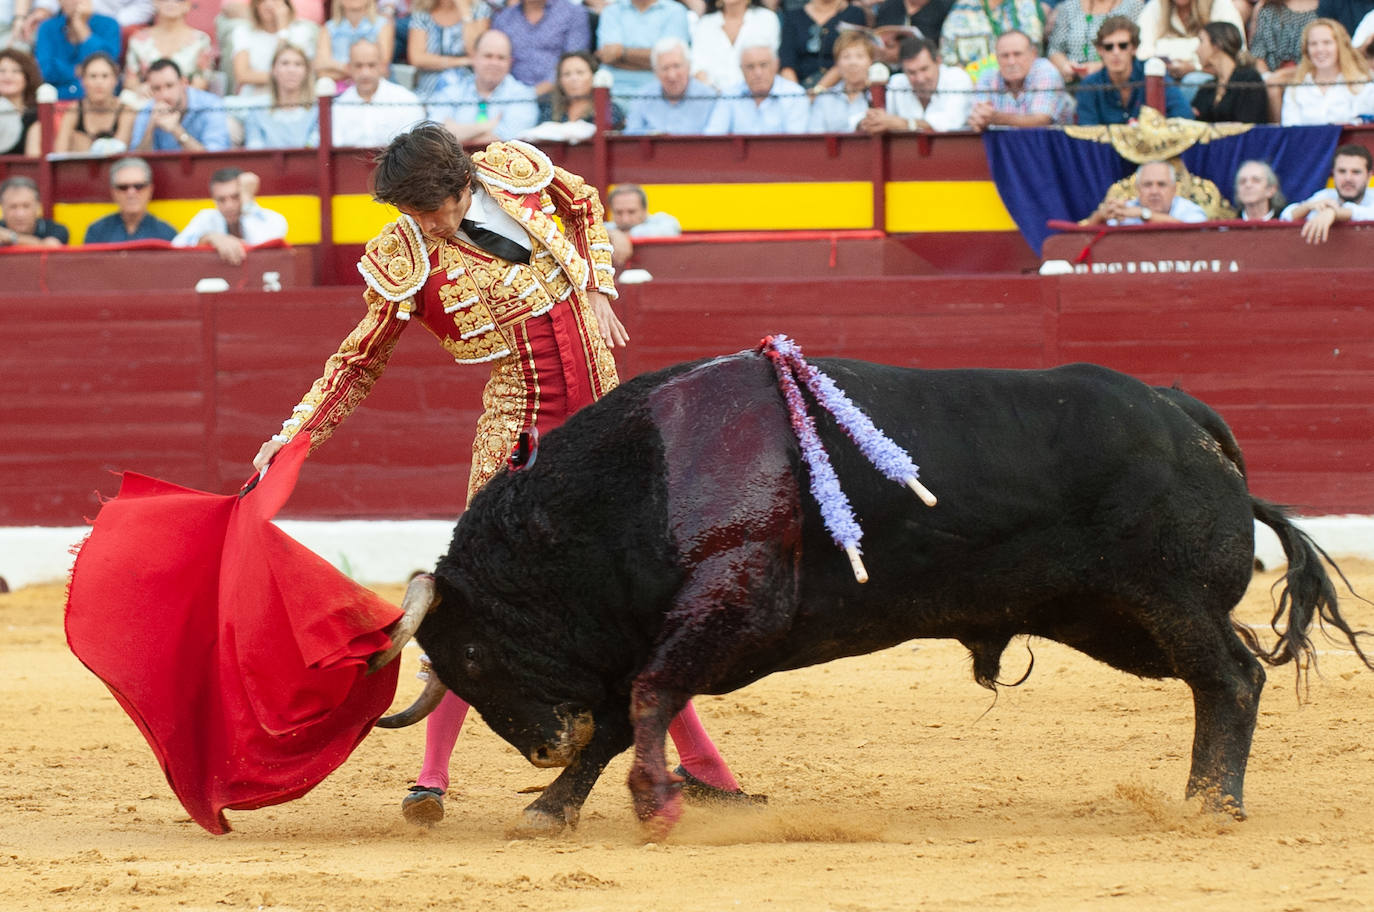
{"x": 658, "y": 825}
{"x": 694, "y": 791}
{"x": 424, "y": 806}
{"x": 534, "y": 823}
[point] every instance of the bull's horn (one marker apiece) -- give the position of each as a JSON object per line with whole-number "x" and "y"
{"x": 419, "y": 599}
{"x": 424, "y": 705}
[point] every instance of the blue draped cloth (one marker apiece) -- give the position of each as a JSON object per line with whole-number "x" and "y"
{"x": 1043, "y": 174}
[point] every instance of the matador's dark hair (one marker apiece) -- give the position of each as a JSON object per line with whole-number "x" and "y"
{"x": 421, "y": 169}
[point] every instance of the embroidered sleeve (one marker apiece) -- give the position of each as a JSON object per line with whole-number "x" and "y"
{"x": 579, "y": 206}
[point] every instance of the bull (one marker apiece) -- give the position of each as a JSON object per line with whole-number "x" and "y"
{"x": 665, "y": 544}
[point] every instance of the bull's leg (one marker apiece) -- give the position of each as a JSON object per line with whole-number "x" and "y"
{"x": 560, "y": 804}
{"x": 657, "y": 798}
{"x": 1226, "y": 681}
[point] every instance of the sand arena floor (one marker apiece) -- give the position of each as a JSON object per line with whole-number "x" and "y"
{"x": 895, "y": 783}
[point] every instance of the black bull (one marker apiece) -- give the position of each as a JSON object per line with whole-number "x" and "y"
{"x": 665, "y": 544}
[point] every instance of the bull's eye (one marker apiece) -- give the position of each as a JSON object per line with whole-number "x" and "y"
{"x": 472, "y": 661}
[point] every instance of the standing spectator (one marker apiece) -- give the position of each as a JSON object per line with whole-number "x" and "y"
{"x": 626, "y": 35}
{"x": 1347, "y": 12}
{"x": 179, "y": 117}
{"x": 764, "y": 103}
{"x": 719, "y": 39}
{"x": 350, "y": 21}
{"x": 1258, "y": 196}
{"x": 630, "y": 214}
{"x": 924, "y": 95}
{"x": 1024, "y": 91}
{"x": 171, "y": 37}
{"x": 973, "y": 27}
{"x": 69, "y": 38}
{"x": 842, "y": 107}
{"x": 808, "y": 38}
{"x": 682, "y": 105}
{"x": 1349, "y": 199}
{"x": 373, "y": 111}
{"x": 1170, "y": 29}
{"x": 236, "y": 222}
{"x": 274, "y": 22}
{"x": 1156, "y": 201}
{"x": 1115, "y": 93}
{"x": 292, "y": 119}
{"x": 1072, "y": 47}
{"x": 1277, "y": 38}
{"x": 571, "y": 99}
{"x": 131, "y": 187}
{"x": 23, "y": 224}
{"x": 19, "y": 82}
{"x": 442, "y": 36}
{"x": 1238, "y": 94}
{"x": 540, "y": 32}
{"x": 1331, "y": 83}
{"x": 926, "y": 16}
{"x": 488, "y": 103}
{"x": 99, "y": 115}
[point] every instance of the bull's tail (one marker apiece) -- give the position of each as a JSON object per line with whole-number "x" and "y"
{"x": 1307, "y": 592}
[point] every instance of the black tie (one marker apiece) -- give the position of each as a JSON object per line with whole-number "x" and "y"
{"x": 498, "y": 245}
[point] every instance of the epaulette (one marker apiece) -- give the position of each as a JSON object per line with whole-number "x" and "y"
{"x": 514, "y": 166}
{"x": 395, "y": 264}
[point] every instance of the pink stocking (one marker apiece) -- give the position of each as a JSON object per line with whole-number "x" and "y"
{"x": 441, "y": 734}
{"x": 699, "y": 756}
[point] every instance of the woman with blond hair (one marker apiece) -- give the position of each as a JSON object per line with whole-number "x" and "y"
{"x": 292, "y": 120}
{"x": 443, "y": 34}
{"x": 1170, "y": 29}
{"x": 274, "y": 23}
{"x": 351, "y": 21}
{"x": 840, "y": 108}
{"x": 1331, "y": 84}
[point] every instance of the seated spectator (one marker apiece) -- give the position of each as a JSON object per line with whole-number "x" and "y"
{"x": 1114, "y": 94}
{"x": 23, "y": 225}
{"x": 1024, "y": 91}
{"x": 442, "y": 35}
{"x": 1258, "y": 196}
{"x": 1157, "y": 201}
{"x": 19, "y": 82}
{"x": 808, "y": 38}
{"x": 571, "y": 99}
{"x": 1170, "y": 29}
{"x": 541, "y": 31}
{"x": 179, "y": 117}
{"x": 682, "y": 105}
{"x": 373, "y": 111}
{"x": 1072, "y": 47}
{"x": 1276, "y": 39}
{"x": 629, "y": 208}
{"x": 925, "y": 95}
{"x": 131, "y": 187}
{"x": 764, "y": 103}
{"x": 1238, "y": 95}
{"x": 488, "y": 103}
{"x": 926, "y": 16}
{"x": 130, "y": 14}
{"x": 972, "y": 28}
{"x": 98, "y": 122}
{"x": 236, "y": 222}
{"x": 171, "y": 37}
{"x": 840, "y": 109}
{"x": 1348, "y": 200}
{"x": 273, "y": 22}
{"x": 1331, "y": 84}
{"x": 350, "y": 21}
{"x": 69, "y": 38}
{"x": 719, "y": 40}
{"x": 626, "y": 34}
{"x": 291, "y": 119}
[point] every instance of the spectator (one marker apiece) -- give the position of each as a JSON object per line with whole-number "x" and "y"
{"x": 1363, "y": 34}
{"x": 97, "y": 122}
{"x": 236, "y": 222}
{"x": 273, "y": 22}
{"x": 1258, "y": 196}
{"x": 1331, "y": 83}
{"x": 540, "y": 32}
{"x": 1348, "y": 200}
{"x": 170, "y": 37}
{"x": 626, "y": 34}
{"x": 630, "y": 213}
{"x": 19, "y": 82}
{"x": 128, "y": 13}
{"x": 292, "y": 119}
{"x": 764, "y": 102}
{"x": 1157, "y": 201}
{"x": 925, "y": 95}
{"x": 808, "y": 38}
{"x": 1170, "y": 29}
{"x": 719, "y": 40}
{"x": 373, "y": 111}
{"x": 179, "y": 117}
{"x": 350, "y": 21}
{"x": 682, "y": 105}
{"x": 1276, "y": 42}
{"x": 1024, "y": 91}
{"x": 972, "y": 28}
{"x": 1238, "y": 95}
{"x": 840, "y": 109}
{"x": 442, "y": 36}
{"x": 1072, "y": 47}
{"x": 926, "y": 16}
{"x": 1348, "y": 13}
{"x": 571, "y": 99}
{"x": 131, "y": 187}
{"x": 487, "y": 104}
{"x": 22, "y": 225}
{"x": 69, "y": 38}
{"x": 1114, "y": 94}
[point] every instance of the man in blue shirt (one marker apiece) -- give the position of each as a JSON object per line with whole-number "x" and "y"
{"x": 764, "y": 102}
{"x": 625, "y": 36}
{"x": 180, "y": 117}
{"x": 487, "y": 104}
{"x": 542, "y": 31}
{"x": 682, "y": 105}
{"x": 131, "y": 186}
{"x": 67, "y": 39}
{"x": 1114, "y": 94}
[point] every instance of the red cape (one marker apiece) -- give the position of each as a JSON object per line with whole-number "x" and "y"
{"x": 240, "y": 654}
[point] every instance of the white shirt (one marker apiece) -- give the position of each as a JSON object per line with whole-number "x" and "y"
{"x": 1363, "y": 211}
{"x": 1182, "y": 208}
{"x": 1179, "y": 46}
{"x": 949, "y": 107}
{"x": 1306, "y": 104}
{"x": 785, "y": 110}
{"x": 259, "y": 226}
{"x": 372, "y": 124}
{"x": 488, "y": 213}
{"x": 713, "y": 53}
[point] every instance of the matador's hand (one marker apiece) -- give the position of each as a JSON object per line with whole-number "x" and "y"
{"x": 612, "y": 330}
{"x": 265, "y": 453}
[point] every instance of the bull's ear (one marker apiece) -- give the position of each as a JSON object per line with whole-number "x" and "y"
{"x": 526, "y": 448}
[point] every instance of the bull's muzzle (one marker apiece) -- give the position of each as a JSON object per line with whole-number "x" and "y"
{"x": 576, "y": 732}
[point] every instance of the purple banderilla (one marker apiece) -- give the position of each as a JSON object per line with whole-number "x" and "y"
{"x": 886, "y": 456}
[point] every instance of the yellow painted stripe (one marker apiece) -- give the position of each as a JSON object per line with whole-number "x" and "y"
{"x": 302, "y": 214}
{"x": 765, "y": 206}
{"x": 946, "y": 206}
{"x": 358, "y": 218}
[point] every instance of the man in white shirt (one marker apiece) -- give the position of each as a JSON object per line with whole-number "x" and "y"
{"x": 237, "y": 222}
{"x": 1350, "y": 200}
{"x": 1157, "y": 201}
{"x": 487, "y": 104}
{"x": 374, "y": 111}
{"x": 925, "y": 95}
{"x": 764, "y": 103}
